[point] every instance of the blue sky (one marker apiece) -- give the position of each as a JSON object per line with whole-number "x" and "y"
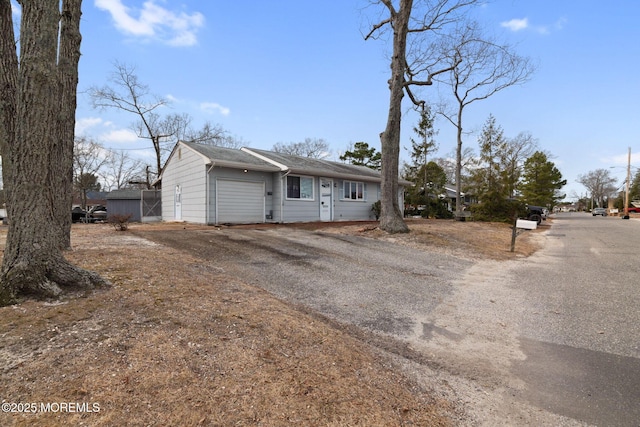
{"x": 287, "y": 70}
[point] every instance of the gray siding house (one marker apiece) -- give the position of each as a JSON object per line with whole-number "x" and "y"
{"x": 213, "y": 185}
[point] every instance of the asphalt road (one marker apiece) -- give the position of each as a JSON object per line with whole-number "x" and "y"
{"x": 580, "y": 322}
{"x": 558, "y": 332}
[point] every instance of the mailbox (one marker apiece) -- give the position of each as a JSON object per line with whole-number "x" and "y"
{"x": 526, "y": 224}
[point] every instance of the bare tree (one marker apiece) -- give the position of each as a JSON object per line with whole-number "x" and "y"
{"x": 120, "y": 170}
{"x": 130, "y": 95}
{"x": 448, "y": 164}
{"x": 599, "y": 183}
{"x": 37, "y": 119}
{"x": 88, "y": 159}
{"x": 213, "y": 134}
{"x": 480, "y": 68}
{"x": 414, "y": 62}
{"x": 316, "y": 148}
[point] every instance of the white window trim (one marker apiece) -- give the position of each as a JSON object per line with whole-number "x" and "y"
{"x": 300, "y": 199}
{"x": 364, "y": 192}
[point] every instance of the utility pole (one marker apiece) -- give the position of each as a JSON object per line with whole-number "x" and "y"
{"x": 626, "y": 188}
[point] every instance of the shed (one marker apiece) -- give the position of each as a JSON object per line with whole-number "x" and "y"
{"x": 125, "y": 202}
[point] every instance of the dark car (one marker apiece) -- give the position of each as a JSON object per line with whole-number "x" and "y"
{"x": 78, "y": 214}
{"x": 536, "y": 213}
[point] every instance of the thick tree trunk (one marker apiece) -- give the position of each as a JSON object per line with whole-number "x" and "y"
{"x": 37, "y": 150}
{"x": 67, "y": 70}
{"x": 391, "y": 219}
{"x": 8, "y": 89}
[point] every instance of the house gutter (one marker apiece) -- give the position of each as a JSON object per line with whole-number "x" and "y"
{"x": 282, "y": 196}
{"x": 283, "y": 168}
{"x": 210, "y": 167}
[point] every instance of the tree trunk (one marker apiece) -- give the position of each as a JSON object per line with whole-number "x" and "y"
{"x": 391, "y": 219}
{"x": 459, "y": 163}
{"x": 67, "y": 74}
{"x": 39, "y": 149}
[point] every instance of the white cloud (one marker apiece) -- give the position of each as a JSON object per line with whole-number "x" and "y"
{"x": 119, "y": 136}
{"x": 523, "y": 24}
{"x": 172, "y": 98}
{"x": 84, "y": 124}
{"x": 620, "y": 161}
{"x": 516, "y": 24}
{"x": 153, "y": 22}
{"x": 212, "y": 107}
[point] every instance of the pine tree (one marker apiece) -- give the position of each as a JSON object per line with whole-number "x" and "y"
{"x": 541, "y": 181}
{"x": 425, "y": 144}
{"x": 488, "y": 178}
{"x": 363, "y": 155}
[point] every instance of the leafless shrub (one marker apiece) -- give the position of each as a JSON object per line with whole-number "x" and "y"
{"x": 119, "y": 221}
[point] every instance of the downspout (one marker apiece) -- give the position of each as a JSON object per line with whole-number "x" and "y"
{"x": 207, "y": 198}
{"x": 283, "y": 188}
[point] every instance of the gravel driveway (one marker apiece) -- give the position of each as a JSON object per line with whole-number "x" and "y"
{"x": 456, "y": 323}
{"x": 368, "y": 283}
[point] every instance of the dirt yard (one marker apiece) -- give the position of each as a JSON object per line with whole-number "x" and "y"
{"x": 176, "y": 342}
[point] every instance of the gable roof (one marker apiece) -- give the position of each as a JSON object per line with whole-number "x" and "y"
{"x": 271, "y": 161}
{"x": 230, "y": 157}
{"x": 318, "y": 167}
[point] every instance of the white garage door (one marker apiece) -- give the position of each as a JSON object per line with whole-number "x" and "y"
{"x": 239, "y": 201}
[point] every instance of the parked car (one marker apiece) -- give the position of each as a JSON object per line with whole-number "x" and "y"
{"x": 633, "y": 209}
{"x": 599, "y": 211}
{"x": 78, "y": 214}
{"x": 97, "y": 213}
{"x": 536, "y": 213}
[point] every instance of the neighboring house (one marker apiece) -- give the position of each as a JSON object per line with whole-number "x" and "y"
{"x": 215, "y": 185}
{"x": 566, "y": 208}
{"x": 450, "y": 195}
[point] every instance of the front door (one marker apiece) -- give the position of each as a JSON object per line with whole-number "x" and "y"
{"x": 178, "y": 204}
{"x": 326, "y": 186}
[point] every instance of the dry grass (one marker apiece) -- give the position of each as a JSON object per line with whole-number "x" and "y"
{"x": 178, "y": 342}
{"x": 466, "y": 239}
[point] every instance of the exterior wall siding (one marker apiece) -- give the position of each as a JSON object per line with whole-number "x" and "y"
{"x": 342, "y": 209}
{"x": 351, "y": 210}
{"x": 295, "y": 210}
{"x": 188, "y": 170}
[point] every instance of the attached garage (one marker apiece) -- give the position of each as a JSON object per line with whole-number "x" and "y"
{"x": 239, "y": 201}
